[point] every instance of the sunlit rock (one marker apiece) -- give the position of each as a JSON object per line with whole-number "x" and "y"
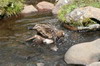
{"x": 48, "y": 41}
{"x": 28, "y": 9}
{"x": 84, "y": 53}
{"x": 45, "y": 6}
{"x": 40, "y": 64}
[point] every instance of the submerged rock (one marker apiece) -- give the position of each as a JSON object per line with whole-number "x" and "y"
{"x": 84, "y": 53}
{"x": 45, "y": 6}
{"x": 81, "y": 17}
{"x": 48, "y": 31}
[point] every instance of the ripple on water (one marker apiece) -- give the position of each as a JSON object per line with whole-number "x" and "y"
{"x": 14, "y": 51}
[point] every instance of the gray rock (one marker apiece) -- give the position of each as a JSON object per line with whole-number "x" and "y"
{"x": 82, "y": 13}
{"x": 84, "y": 53}
{"x": 94, "y": 64}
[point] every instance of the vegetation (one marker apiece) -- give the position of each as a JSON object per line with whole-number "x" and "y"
{"x": 77, "y": 3}
{"x": 10, "y": 7}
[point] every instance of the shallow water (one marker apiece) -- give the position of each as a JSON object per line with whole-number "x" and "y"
{"x": 14, "y": 51}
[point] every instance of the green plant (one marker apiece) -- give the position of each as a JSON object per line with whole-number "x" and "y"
{"x": 11, "y": 7}
{"x": 66, "y": 9}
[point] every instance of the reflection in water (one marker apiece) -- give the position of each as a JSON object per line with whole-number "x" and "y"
{"x": 15, "y": 52}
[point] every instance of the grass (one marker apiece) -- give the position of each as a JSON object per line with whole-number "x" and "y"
{"x": 10, "y": 7}
{"x": 66, "y": 9}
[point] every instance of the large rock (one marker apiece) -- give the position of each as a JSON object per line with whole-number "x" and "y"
{"x": 84, "y": 53}
{"x": 45, "y": 6}
{"x": 59, "y": 4}
{"x": 94, "y": 64}
{"x": 28, "y": 9}
{"x": 82, "y": 15}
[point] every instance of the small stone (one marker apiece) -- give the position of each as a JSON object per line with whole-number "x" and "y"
{"x": 48, "y": 41}
{"x": 40, "y": 64}
{"x": 54, "y": 48}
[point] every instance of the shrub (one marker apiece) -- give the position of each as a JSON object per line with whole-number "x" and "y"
{"x": 10, "y": 7}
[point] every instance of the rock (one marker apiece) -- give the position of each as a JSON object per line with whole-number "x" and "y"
{"x": 94, "y": 64}
{"x": 45, "y": 6}
{"x": 48, "y": 41}
{"x": 59, "y": 4}
{"x": 84, "y": 53}
{"x": 40, "y": 64}
{"x": 48, "y": 31}
{"x": 54, "y": 48}
{"x": 82, "y": 15}
{"x": 28, "y": 9}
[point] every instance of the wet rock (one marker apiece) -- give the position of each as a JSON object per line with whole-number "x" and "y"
{"x": 40, "y": 64}
{"x": 80, "y": 17}
{"x": 28, "y": 9}
{"x": 84, "y": 53}
{"x": 54, "y": 48}
{"x": 48, "y": 41}
{"x": 59, "y": 4}
{"x": 45, "y": 6}
{"x": 48, "y": 31}
{"x": 94, "y": 64}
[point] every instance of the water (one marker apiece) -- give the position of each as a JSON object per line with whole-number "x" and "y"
{"x": 14, "y": 51}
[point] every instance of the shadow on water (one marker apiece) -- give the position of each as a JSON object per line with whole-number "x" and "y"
{"x": 15, "y": 52}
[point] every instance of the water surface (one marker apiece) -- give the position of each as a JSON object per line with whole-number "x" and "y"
{"x": 14, "y": 51}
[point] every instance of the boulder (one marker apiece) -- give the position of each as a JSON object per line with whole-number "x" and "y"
{"x": 85, "y": 17}
{"x": 28, "y": 9}
{"x": 45, "y": 6}
{"x": 84, "y": 53}
{"x": 82, "y": 13}
{"x": 59, "y": 4}
{"x": 94, "y": 64}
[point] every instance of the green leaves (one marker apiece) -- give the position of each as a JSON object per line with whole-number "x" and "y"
{"x": 66, "y": 9}
{"x": 11, "y": 7}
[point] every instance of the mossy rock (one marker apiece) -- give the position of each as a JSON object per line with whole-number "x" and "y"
{"x": 67, "y": 9}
